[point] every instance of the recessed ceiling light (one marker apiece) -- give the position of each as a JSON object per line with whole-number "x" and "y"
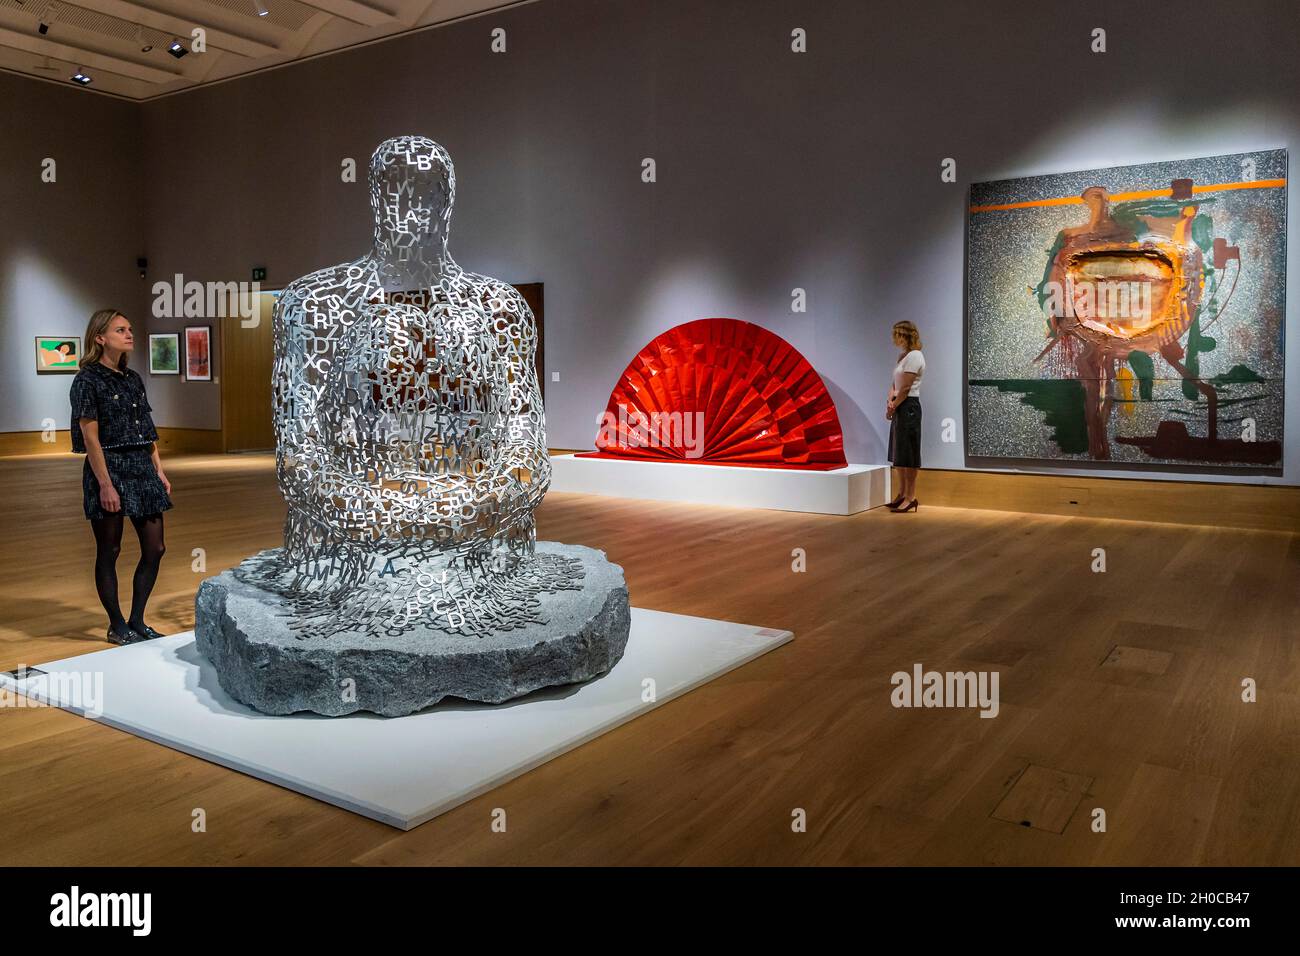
{"x": 261, "y": 8}
{"x": 81, "y": 76}
{"x": 177, "y": 49}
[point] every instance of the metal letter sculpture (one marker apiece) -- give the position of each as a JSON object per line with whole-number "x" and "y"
{"x": 410, "y": 437}
{"x": 409, "y": 424}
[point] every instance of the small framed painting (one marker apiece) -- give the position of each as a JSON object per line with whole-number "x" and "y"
{"x": 57, "y": 354}
{"x": 198, "y": 353}
{"x": 164, "y": 353}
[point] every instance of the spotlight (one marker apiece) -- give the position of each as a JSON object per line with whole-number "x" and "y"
{"x": 261, "y": 8}
{"x": 81, "y": 76}
{"x": 50, "y": 15}
{"x": 176, "y": 49}
{"x": 145, "y": 45}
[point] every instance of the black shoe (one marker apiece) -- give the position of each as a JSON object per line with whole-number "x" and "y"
{"x": 895, "y": 503}
{"x": 146, "y": 632}
{"x": 914, "y": 506}
{"x": 123, "y": 634}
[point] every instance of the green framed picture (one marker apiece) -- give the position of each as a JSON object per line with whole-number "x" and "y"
{"x": 165, "y": 353}
{"x": 57, "y": 354}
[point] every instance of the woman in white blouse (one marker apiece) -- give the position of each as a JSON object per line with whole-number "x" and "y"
{"x": 904, "y": 414}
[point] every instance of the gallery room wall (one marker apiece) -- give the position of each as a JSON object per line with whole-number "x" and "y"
{"x": 775, "y": 170}
{"x": 67, "y": 247}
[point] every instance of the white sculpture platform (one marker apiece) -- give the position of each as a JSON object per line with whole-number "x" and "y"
{"x": 844, "y": 491}
{"x": 402, "y": 771}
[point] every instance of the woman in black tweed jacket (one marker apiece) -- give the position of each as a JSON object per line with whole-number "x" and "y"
{"x": 123, "y": 475}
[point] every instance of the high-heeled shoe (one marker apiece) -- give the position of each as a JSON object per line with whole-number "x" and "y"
{"x": 914, "y": 506}
{"x": 891, "y": 505}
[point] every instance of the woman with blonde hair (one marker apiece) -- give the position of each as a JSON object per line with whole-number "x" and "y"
{"x": 122, "y": 476}
{"x": 904, "y": 414}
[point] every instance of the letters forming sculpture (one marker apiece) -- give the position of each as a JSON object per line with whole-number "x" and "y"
{"x": 411, "y": 451}
{"x": 408, "y": 415}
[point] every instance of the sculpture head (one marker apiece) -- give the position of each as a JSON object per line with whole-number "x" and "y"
{"x": 412, "y": 189}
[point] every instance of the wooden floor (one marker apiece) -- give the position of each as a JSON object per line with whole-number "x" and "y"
{"x": 1185, "y": 771}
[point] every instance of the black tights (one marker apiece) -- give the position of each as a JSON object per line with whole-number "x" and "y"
{"x": 108, "y": 543}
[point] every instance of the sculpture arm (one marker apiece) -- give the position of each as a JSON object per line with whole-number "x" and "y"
{"x": 526, "y": 432}
{"x": 505, "y": 494}
{"x": 296, "y": 385}
{"x": 524, "y": 463}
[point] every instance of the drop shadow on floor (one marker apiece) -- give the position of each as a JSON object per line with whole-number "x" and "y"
{"x": 88, "y": 624}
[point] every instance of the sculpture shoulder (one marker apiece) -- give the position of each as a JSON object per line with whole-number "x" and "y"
{"x": 496, "y": 295}
{"x": 321, "y": 284}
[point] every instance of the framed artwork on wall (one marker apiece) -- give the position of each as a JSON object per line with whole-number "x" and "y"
{"x": 164, "y": 353}
{"x": 198, "y": 353}
{"x": 57, "y": 354}
{"x": 1133, "y": 315}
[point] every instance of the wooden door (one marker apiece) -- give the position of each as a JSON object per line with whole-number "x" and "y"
{"x": 246, "y": 356}
{"x": 532, "y": 293}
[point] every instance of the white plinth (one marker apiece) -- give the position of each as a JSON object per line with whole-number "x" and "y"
{"x": 401, "y": 771}
{"x": 844, "y": 491}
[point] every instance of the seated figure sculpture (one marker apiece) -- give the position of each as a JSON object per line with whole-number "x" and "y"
{"x": 408, "y": 415}
{"x": 411, "y": 452}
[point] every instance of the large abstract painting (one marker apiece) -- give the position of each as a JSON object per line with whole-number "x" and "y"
{"x": 1133, "y": 315}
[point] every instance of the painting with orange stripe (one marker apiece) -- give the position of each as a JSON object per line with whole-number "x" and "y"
{"x": 1133, "y": 315}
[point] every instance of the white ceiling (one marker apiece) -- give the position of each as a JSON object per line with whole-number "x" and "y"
{"x": 105, "y": 37}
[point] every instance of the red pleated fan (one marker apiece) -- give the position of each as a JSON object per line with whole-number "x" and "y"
{"x": 722, "y": 392}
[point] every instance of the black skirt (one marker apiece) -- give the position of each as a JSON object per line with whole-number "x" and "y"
{"x": 905, "y": 434}
{"x": 135, "y": 479}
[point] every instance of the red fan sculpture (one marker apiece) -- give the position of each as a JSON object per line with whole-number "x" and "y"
{"x": 722, "y": 392}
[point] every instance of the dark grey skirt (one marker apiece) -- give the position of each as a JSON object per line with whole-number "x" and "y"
{"x": 905, "y": 434}
{"x": 135, "y": 479}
